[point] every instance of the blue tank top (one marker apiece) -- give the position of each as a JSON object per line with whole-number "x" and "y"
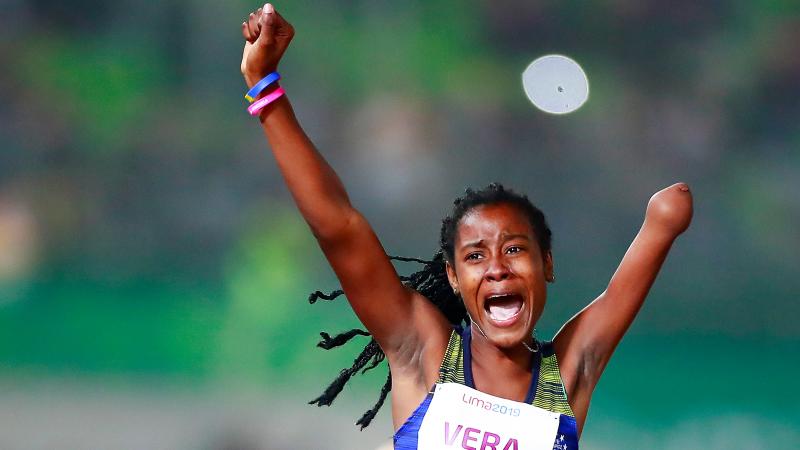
{"x": 546, "y": 391}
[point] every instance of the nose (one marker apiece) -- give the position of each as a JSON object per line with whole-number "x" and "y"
{"x": 497, "y": 270}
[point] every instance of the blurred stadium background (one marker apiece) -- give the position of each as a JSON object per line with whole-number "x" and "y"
{"x": 153, "y": 270}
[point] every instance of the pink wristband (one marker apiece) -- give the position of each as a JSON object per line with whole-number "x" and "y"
{"x": 256, "y": 107}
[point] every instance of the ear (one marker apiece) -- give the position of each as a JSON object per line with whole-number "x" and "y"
{"x": 549, "y": 275}
{"x": 451, "y": 275}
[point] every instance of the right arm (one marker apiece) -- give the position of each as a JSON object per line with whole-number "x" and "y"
{"x": 393, "y": 314}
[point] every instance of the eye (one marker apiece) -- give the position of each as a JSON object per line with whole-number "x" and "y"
{"x": 473, "y": 256}
{"x": 514, "y": 249}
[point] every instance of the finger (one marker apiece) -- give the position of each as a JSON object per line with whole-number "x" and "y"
{"x": 267, "y": 24}
{"x": 246, "y": 32}
{"x": 252, "y": 24}
{"x": 257, "y": 21}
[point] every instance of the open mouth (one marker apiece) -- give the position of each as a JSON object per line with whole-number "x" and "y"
{"x": 503, "y": 309}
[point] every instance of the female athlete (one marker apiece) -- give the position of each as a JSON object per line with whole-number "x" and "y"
{"x": 465, "y": 368}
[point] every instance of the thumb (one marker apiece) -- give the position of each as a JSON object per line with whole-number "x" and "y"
{"x": 267, "y": 23}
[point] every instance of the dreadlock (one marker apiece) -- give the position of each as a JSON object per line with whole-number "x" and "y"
{"x": 431, "y": 281}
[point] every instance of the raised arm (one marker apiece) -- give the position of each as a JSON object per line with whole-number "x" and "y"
{"x": 368, "y": 278}
{"x": 586, "y": 342}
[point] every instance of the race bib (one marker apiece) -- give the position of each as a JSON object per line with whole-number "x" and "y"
{"x": 460, "y": 417}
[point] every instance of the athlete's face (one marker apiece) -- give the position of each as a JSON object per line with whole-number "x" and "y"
{"x": 500, "y": 272}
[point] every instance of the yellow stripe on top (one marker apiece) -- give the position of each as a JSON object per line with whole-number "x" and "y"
{"x": 452, "y": 368}
{"x": 550, "y": 392}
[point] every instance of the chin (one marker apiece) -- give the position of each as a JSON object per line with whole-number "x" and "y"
{"x": 511, "y": 336}
{"x": 508, "y": 339}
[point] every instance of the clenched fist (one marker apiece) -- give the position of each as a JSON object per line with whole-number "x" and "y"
{"x": 267, "y": 36}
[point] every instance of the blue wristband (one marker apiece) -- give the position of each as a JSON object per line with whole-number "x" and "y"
{"x": 261, "y": 85}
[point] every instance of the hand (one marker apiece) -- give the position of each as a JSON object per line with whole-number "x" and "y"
{"x": 267, "y": 36}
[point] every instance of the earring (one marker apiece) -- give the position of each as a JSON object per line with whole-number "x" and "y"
{"x": 455, "y": 291}
{"x": 552, "y": 278}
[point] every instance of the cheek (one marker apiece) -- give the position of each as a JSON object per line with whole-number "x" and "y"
{"x": 529, "y": 268}
{"x": 472, "y": 282}
{"x": 463, "y": 272}
{"x": 468, "y": 280}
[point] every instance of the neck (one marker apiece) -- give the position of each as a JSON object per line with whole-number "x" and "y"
{"x": 507, "y": 361}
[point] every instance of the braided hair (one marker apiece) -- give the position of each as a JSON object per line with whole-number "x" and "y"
{"x": 432, "y": 282}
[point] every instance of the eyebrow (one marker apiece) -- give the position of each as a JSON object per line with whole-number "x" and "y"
{"x": 478, "y": 243}
{"x": 508, "y": 237}
{"x": 504, "y": 237}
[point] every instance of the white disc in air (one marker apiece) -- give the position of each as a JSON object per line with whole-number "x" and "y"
{"x": 555, "y": 84}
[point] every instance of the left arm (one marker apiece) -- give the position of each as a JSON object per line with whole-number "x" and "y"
{"x": 585, "y": 343}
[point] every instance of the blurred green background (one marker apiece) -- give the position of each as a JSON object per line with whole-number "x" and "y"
{"x": 153, "y": 270}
